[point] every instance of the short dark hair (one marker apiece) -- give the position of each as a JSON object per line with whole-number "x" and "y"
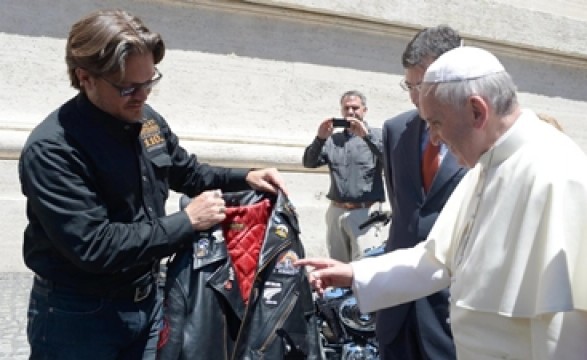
{"x": 354, "y": 93}
{"x": 428, "y": 44}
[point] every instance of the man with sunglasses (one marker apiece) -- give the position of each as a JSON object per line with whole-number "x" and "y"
{"x": 96, "y": 174}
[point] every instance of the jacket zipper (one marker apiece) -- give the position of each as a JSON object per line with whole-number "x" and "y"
{"x": 280, "y": 322}
{"x": 256, "y": 294}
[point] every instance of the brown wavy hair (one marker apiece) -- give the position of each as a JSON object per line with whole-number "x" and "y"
{"x": 101, "y": 41}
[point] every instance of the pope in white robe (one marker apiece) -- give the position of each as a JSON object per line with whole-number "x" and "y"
{"x": 511, "y": 242}
{"x": 523, "y": 260}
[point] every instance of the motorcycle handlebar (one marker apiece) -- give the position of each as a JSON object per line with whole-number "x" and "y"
{"x": 376, "y": 217}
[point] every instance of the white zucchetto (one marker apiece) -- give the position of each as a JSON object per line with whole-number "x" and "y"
{"x": 462, "y": 63}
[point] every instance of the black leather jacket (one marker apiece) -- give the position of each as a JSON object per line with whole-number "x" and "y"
{"x": 206, "y": 316}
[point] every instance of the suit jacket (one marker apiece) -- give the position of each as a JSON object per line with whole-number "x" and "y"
{"x": 413, "y": 214}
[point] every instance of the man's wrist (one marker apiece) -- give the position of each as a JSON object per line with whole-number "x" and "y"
{"x": 368, "y": 135}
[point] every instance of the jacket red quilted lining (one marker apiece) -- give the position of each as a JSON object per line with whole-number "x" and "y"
{"x": 244, "y": 231}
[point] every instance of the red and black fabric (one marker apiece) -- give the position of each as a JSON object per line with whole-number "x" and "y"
{"x": 235, "y": 293}
{"x": 244, "y": 232}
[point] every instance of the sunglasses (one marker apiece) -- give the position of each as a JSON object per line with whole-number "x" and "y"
{"x": 133, "y": 89}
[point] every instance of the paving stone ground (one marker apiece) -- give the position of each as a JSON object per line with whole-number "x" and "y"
{"x": 14, "y": 296}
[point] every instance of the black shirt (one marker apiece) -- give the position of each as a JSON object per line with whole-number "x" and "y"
{"x": 96, "y": 188}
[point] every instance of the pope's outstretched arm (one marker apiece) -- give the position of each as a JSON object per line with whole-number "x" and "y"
{"x": 383, "y": 281}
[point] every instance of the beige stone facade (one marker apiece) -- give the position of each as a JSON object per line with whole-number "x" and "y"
{"x": 247, "y": 82}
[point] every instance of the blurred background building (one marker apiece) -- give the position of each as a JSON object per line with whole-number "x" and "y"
{"x": 246, "y": 82}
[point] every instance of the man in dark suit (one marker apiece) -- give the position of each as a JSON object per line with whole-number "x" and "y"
{"x": 419, "y": 329}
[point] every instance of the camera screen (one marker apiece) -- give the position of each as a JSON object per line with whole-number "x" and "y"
{"x": 341, "y": 123}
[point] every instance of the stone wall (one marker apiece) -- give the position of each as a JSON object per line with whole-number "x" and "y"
{"x": 247, "y": 82}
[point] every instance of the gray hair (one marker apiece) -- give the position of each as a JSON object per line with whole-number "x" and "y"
{"x": 101, "y": 42}
{"x": 497, "y": 89}
{"x": 356, "y": 94}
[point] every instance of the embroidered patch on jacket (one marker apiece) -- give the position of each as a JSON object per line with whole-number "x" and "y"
{"x": 277, "y": 219}
{"x": 272, "y": 293}
{"x": 230, "y": 280}
{"x": 218, "y": 236}
{"x": 202, "y": 247}
{"x": 281, "y": 231}
{"x": 151, "y": 135}
{"x": 285, "y": 263}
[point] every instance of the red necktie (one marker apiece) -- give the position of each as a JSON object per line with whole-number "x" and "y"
{"x": 430, "y": 164}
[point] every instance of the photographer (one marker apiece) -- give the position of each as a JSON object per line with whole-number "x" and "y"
{"x": 354, "y": 159}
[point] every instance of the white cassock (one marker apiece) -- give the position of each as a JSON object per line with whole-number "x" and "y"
{"x": 511, "y": 242}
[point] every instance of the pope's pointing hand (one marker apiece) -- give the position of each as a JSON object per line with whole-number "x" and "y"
{"x": 327, "y": 273}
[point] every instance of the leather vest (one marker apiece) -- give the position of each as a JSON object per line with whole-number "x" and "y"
{"x": 235, "y": 293}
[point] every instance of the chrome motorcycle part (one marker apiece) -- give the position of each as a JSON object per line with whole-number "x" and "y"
{"x": 352, "y": 317}
{"x": 357, "y": 352}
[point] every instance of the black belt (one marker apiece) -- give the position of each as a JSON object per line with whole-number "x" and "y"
{"x": 352, "y": 205}
{"x": 135, "y": 292}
